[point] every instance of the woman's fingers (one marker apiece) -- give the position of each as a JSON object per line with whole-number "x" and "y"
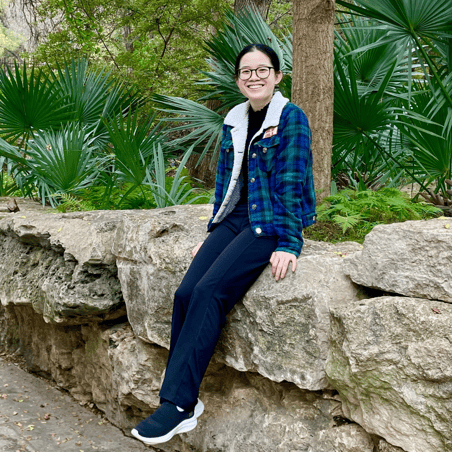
{"x": 280, "y": 261}
{"x": 196, "y": 249}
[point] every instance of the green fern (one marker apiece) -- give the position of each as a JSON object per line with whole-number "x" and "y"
{"x": 71, "y": 203}
{"x": 357, "y": 212}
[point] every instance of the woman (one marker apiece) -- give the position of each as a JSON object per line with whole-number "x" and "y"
{"x": 264, "y": 197}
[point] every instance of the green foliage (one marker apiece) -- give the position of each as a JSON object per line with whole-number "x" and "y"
{"x": 70, "y": 203}
{"x": 393, "y": 117}
{"x": 357, "y": 212}
{"x": 8, "y": 186}
{"x": 203, "y": 125}
{"x": 179, "y": 191}
{"x": 155, "y": 44}
{"x": 29, "y": 102}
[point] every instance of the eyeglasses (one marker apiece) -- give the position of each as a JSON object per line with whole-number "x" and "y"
{"x": 261, "y": 72}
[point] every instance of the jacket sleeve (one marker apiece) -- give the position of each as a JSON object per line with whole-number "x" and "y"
{"x": 293, "y": 171}
{"x": 219, "y": 179}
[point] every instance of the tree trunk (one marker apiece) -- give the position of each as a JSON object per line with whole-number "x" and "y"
{"x": 261, "y": 6}
{"x": 312, "y": 80}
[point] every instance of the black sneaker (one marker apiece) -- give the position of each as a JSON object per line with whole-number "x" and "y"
{"x": 167, "y": 421}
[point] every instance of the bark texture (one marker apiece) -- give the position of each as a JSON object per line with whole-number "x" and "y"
{"x": 312, "y": 80}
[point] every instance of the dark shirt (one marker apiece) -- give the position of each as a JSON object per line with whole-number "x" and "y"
{"x": 255, "y": 120}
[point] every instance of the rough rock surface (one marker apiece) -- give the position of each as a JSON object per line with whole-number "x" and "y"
{"x": 60, "y": 264}
{"x": 122, "y": 376}
{"x": 413, "y": 258}
{"x": 391, "y": 361}
{"x": 344, "y": 438}
{"x": 280, "y": 330}
{"x": 66, "y": 281}
{"x": 383, "y": 446}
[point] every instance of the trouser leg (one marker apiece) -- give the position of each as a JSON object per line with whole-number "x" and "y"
{"x": 224, "y": 283}
{"x": 211, "y": 249}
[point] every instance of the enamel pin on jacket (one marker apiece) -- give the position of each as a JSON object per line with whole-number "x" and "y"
{"x": 281, "y": 197}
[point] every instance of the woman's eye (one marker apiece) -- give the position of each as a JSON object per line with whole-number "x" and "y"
{"x": 246, "y": 72}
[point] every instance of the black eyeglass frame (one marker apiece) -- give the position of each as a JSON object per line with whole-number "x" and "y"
{"x": 239, "y": 72}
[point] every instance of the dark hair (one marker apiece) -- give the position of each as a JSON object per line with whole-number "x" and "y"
{"x": 262, "y": 48}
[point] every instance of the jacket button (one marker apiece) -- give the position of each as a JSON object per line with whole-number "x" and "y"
{"x": 252, "y": 180}
{"x": 228, "y": 150}
{"x": 264, "y": 150}
{"x": 258, "y": 231}
{"x": 253, "y": 155}
{"x": 254, "y": 207}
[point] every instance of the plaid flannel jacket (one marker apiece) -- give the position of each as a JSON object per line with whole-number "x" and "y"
{"x": 281, "y": 198}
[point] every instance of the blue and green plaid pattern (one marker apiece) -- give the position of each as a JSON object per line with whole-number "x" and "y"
{"x": 280, "y": 182}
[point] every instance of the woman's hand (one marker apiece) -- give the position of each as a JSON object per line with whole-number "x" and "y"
{"x": 196, "y": 249}
{"x": 280, "y": 261}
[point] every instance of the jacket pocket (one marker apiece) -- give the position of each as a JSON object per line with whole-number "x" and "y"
{"x": 228, "y": 152}
{"x": 266, "y": 153}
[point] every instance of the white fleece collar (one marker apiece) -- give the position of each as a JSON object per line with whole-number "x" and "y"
{"x": 238, "y": 116}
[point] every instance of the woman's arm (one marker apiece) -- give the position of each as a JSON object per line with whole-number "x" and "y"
{"x": 293, "y": 168}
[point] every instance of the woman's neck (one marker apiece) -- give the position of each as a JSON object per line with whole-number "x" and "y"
{"x": 257, "y": 106}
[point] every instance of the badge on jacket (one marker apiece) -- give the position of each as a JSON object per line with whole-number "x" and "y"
{"x": 270, "y": 132}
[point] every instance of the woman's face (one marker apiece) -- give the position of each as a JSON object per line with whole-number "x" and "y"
{"x": 258, "y": 91}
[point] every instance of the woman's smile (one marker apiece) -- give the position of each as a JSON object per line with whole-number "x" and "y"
{"x": 258, "y": 90}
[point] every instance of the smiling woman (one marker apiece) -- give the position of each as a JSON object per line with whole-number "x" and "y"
{"x": 264, "y": 197}
{"x": 257, "y": 76}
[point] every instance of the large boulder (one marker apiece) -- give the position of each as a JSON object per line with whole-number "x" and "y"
{"x": 281, "y": 328}
{"x": 413, "y": 258}
{"x": 391, "y": 361}
{"x": 122, "y": 375}
{"x": 60, "y": 264}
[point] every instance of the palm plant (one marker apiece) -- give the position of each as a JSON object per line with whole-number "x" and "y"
{"x": 418, "y": 25}
{"x": 413, "y": 135}
{"x": 432, "y": 151}
{"x": 133, "y": 151}
{"x": 203, "y": 124}
{"x": 94, "y": 97}
{"x": 29, "y": 102}
{"x": 7, "y": 183}
{"x": 58, "y": 161}
{"x": 54, "y": 127}
{"x": 366, "y": 150}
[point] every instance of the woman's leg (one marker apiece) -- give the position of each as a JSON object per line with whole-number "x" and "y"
{"x": 211, "y": 249}
{"x": 224, "y": 283}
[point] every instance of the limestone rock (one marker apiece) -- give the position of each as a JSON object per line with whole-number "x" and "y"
{"x": 280, "y": 330}
{"x": 122, "y": 375}
{"x": 61, "y": 265}
{"x": 391, "y": 361}
{"x": 345, "y": 438}
{"x": 413, "y": 258}
{"x": 383, "y": 446}
{"x": 243, "y": 411}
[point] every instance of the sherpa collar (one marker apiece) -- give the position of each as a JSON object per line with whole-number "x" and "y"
{"x": 238, "y": 116}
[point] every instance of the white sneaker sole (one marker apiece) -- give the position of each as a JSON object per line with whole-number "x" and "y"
{"x": 199, "y": 408}
{"x": 184, "y": 426}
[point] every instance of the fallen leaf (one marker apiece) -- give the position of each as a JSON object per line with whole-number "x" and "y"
{"x": 436, "y": 310}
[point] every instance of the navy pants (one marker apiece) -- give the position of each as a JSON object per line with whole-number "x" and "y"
{"x": 225, "y": 267}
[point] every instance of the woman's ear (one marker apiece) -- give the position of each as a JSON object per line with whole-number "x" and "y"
{"x": 279, "y": 76}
